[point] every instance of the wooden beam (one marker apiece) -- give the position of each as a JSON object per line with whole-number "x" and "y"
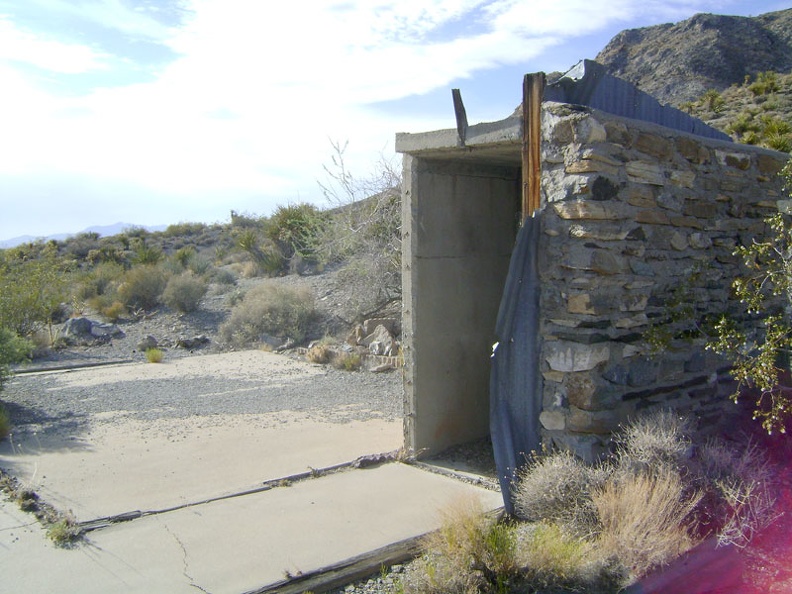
{"x": 533, "y": 91}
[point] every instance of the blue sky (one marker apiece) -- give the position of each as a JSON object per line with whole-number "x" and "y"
{"x": 162, "y": 111}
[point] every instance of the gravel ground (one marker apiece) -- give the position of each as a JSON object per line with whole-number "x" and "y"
{"x": 51, "y": 400}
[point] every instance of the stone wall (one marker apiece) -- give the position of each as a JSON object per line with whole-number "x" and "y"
{"x": 630, "y": 212}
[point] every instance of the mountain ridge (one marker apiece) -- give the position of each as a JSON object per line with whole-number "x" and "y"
{"x": 678, "y": 62}
{"x": 102, "y": 230}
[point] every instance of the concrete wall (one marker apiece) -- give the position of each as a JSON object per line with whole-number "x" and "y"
{"x": 459, "y": 221}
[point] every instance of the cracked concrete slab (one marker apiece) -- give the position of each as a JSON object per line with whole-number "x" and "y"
{"x": 134, "y": 465}
{"x": 242, "y": 544}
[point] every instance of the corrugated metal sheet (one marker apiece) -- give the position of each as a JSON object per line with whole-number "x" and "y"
{"x": 589, "y": 84}
{"x": 515, "y": 386}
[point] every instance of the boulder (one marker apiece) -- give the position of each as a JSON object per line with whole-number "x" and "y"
{"x": 381, "y": 342}
{"x": 77, "y": 328}
{"x": 369, "y": 326}
{"x": 147, "y": 343}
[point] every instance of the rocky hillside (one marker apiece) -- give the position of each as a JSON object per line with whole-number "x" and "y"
{"x": 679, "y": 62}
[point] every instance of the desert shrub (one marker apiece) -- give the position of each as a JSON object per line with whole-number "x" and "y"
{"x": 113, "y": 312}
{"x": 184, "y": 229}
{"x": 223, "y": 276}
{"x": 647, "y": 519}
{"x": 5, "y": 423}
{"x": 737, "y": 484}
{"x": 471, "y": 552}
{"x": 347, "y": 361}
{"x": 272, "y": 310}
{"x": 713, "y": 101}
{"x": 81, "y": 245}
{"x": 296, "y": 230}
{"x": 102, "y": 279}
{"x": 184, "y": 255}
{"x": 184, "y": 292}
{"x": 13, "y": 349}
{"x": 32, "y": 290}
{"x": 63, "y": 532}
{"x": 319, "y": 353}
{"x": 364, "y": 230}
{"x": 146, "y": 254}
{"x": 142, "y": 287}
{"x": 265, "y": 254}
{"x": 553, "y": 559}
{"x": 658, "y": 440}
{"x": 200, "y": 265}
{"x": 558, "y": 488}
{"x": 759, "y": 352}
{"x": 766, "y": 83}
{"x": 154, "y": 355}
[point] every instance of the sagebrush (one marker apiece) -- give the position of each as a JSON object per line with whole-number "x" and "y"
{"x": 269, "y": 310}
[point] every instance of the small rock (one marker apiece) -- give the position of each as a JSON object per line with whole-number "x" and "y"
{"x": 192, "y": 343}
{"x": 106, "y": 330}
{"x": 385, "y": 367}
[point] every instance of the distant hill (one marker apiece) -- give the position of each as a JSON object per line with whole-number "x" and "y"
{"x": 102, "y": 230}
{"x": 679, "y": 62}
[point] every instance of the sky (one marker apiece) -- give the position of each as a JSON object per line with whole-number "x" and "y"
{"x": 153, "y": 112}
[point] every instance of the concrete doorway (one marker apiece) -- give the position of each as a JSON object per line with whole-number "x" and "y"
{"x": 461, "y": 212}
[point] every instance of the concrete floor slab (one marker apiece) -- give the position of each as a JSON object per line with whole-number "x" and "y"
{"x": 132, "y": 465}
{"x": 244, "y": 543}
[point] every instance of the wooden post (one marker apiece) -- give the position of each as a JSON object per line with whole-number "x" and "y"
{"x": 533, "y": 91}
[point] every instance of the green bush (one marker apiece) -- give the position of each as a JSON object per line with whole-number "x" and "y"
{"x": 142, "y": 287}
{"x": 184, "y": 255}
{"x": 266, "y": 255}
{"x": 184, "y": 292}
{"x": 269, "y": 310}
{"x": 103, "y": 279}
{"x": 13, "y": 349}
{"x": 146, "y": 254}
{"x": 5, "y": 423}
{"x": 31, "y": 291}
{"x": 154, "y": 355}
{"x": 296, "y": 229}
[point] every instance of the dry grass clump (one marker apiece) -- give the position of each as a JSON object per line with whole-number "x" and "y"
{"x": 347, "y": 361}
{"x": 647, "y": 519}
{"x": 319, "y": 353}
{"x": 602, "y": 527}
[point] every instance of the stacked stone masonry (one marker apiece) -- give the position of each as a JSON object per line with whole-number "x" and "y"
{"x": 632, "y": 212}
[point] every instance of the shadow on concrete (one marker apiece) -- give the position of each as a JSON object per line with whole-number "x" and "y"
{"x": 36, "y": 431}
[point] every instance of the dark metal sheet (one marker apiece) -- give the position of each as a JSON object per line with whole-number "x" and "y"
{"x": 589, "y": 84}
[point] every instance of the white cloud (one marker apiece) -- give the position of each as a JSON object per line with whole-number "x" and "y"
{"x": 17, "y": 45}
{"x": 285, "y": 77}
